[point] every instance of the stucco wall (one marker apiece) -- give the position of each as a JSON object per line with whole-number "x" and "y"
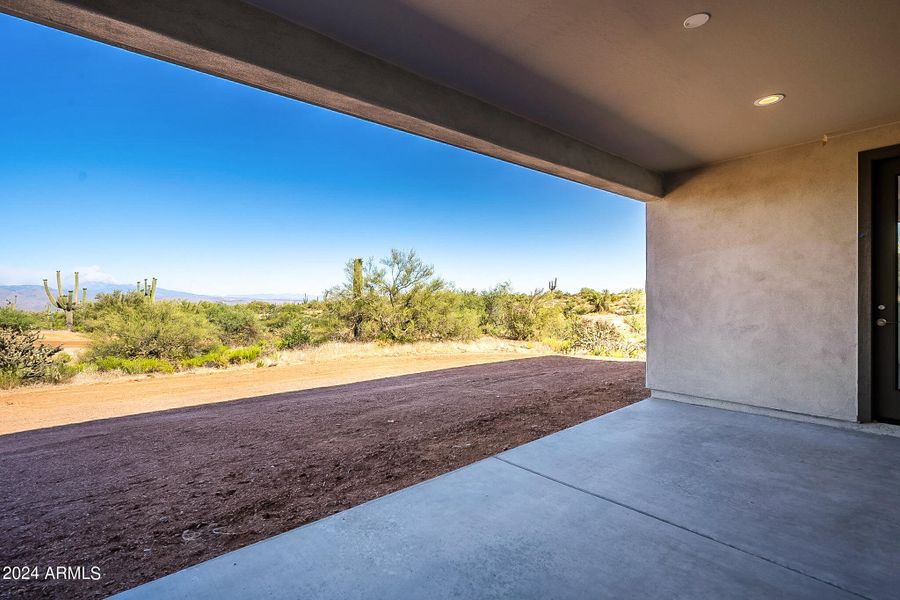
{"x": 752, "y": 279}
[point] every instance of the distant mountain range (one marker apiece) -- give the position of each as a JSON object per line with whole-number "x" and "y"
{"x": 33, "y": 298}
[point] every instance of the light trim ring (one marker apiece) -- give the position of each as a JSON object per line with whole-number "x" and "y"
{"x": 768, "y": 100}
{"x": 696, "y": 20}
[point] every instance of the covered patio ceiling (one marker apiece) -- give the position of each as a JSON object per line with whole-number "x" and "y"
{"x": 628, "y": 77}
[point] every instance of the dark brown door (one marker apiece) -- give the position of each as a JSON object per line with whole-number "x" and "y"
{"x": 886, "y": 289}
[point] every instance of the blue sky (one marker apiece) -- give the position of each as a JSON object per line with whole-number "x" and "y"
{"x": 126, "y": 167}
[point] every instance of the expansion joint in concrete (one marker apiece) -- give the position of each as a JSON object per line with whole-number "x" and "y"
{"x": 673, "y": 524}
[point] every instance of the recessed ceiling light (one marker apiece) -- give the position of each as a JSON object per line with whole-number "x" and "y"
{"x": 768, "y": 100}
{"x": 695, "y": 21}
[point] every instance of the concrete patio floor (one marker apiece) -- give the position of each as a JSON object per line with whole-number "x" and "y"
{"x": 657, "y": 500}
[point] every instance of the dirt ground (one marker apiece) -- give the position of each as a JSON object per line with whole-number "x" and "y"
{"x": 144, "y": 495}
{"x": 66, "y": 339}
{"x": 23, "y": 409}
{"x": 73, "y": 343}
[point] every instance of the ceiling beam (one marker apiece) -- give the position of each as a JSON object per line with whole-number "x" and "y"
{"x": 230, "y": 39}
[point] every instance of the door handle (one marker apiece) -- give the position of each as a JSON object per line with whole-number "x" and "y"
{"x": 883, "y": 322}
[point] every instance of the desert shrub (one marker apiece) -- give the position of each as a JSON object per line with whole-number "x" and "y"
{"x": 164, "y": 330}
{"x": 134, "y": 366}
{"x": 223, "y": 357}
{"x": 55, "y": 320}
{"x": 213, "y": 358}
{"x": 237, "y": 325}
{"x": 312, "y": 330}
{"x": 239, "y": 356}
{"x": 464, "y": 314}
{"x": 312, "y": 323}
{"x": 401, "y": 301}
{"x": 495, "y": 306}
{"x": 296, "y": 335}
{"x": 524, "y": 316}
{"x": 9, "y": 380}
{"x": 637, "y": 323}
{"x": 602, "y": 338}
{"x": 631, "y": 302}
{"x": 10, "y": 317}
{"x": 21, "y": 353}
{"x": 23, "y": 360}
{"x": 262, "y": 310}
{"x": 92, "y": 315}
{"x": 558, "y": 345}
{"x": 63, "y": 369}
{"x": 550, "y": 320}
{"x": 430, "y": 313}
{"x": 277, "y": 318}
{"x": 596, "y": 301}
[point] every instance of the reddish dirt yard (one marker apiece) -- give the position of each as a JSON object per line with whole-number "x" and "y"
{"x": 23, "y": 409}
{"x": 66, "y": 339}
{"x": 145, "y": 495}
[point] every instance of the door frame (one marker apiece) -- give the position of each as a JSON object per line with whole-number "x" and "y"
{"x": 864, "y": 387}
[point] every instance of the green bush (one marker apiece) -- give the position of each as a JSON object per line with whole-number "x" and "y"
{"x": 165, "y": 330}
{"x": 534, "y": 316}
{"x": 10, "y": 379}
{"x": 631, "y": 302}
{"x": 558, "y": 345}
{"x": 23, "y": 360}
{"x": 276, "y": 318}
{"x": 222, "y": 357}
{"x": 295, "y": 335}
{"x": 237, "y": 325}
{"x": 239, "y": 356}
{"x": 308, "y": 324}
{"x": 452, "y": 315}
{"x": 596, "y": 301}
{"x": 93, "y": 316}
{"x": 602, "y": 338}
{"x": 134, "y": 366}
{"x": 431, "y": 313}
{"x": 401, "y": 300}
{"x": 637, "y": 323}
{"x": 214, "y": 358}
{"x": 17, "y": 319}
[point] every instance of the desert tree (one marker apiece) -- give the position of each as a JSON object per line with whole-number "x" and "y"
{"x": 400, "y": 273}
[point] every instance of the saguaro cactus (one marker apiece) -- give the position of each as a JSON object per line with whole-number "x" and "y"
{"x": 357, "y": 297}
{"x": 149, "y": 292}
{"x": 66, "y": 302}
{"x": 551, "y": 285}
